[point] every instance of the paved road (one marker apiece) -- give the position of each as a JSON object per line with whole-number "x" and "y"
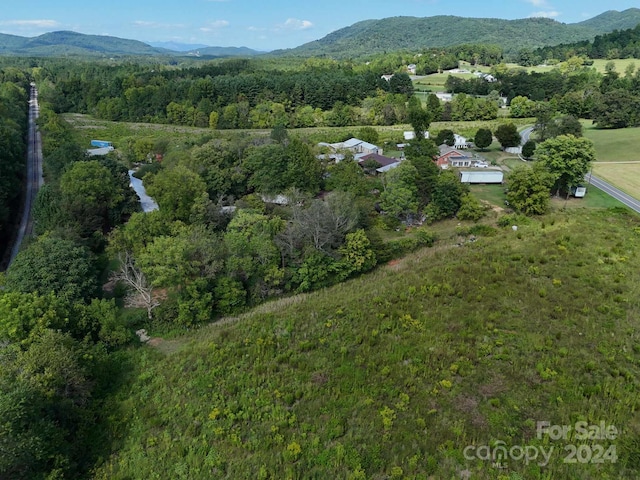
{"x": 526, "y": 134}
{"x": 34, "y": 174}
{"x": 619, "y": 195}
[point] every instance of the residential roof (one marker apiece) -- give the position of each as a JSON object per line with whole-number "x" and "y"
{"x": 446, "y": 150}
{"x": 92, "y": 152}
{"x": 379, "y": 159}
{"x": 387, "y": 167}
{"x": 355, "y": 142}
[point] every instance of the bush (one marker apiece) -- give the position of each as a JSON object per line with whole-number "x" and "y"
{"x": 512, "y": 219}
{"x": 425, "y": 238}
{"x": 482, "y": 230}
{"x": 470, "y": 208}
{"x": 402, "y": 246}
{"x": 152, "y": 168}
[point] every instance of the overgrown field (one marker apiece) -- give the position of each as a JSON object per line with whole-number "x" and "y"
{"x": 396, "y": 373}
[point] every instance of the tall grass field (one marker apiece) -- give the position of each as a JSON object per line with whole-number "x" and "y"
{"x": 422, "y": 369}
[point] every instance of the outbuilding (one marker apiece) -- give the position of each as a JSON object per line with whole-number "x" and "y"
{"x": 481, "y": 176}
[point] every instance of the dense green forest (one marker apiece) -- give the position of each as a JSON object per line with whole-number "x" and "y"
{"x": 254, "y": 94}
{"x": 14, "y": 93}
{"x": 58, "y": 331}
{"x": 617, "y": 44}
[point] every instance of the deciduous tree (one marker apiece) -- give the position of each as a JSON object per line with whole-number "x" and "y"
{"x": 52, "y": 264}
{"x": 529, "y": 189}
{"x": 483, "y": 138}
{"x": 567, "y": 159}
{"x": 508, "y": 136}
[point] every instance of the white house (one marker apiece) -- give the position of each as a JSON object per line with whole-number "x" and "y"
{"x": 485, "y": 76}
{"x": 461, "y": 142}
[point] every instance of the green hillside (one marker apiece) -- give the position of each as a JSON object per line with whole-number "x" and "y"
{"x": 9, "y": 43}
{"x": 97, "y": 43}
{"x": 614, "y": 20}
{"x": 72, "y": 43}
{"x": 398, "y": 33}
{"x": 395, "y": 374}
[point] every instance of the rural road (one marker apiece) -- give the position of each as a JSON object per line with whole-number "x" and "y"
{"x": 526, "y": 134}
{"x": 34, "y": 174}
{"x": 609, "y": 189}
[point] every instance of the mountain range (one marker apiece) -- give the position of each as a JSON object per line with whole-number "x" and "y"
{"x": 66, "y": 43}
{"x": 358, "y": 40}
{"x": 412, "y": 33}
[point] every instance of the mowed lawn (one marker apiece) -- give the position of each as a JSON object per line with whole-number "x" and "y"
{"x": 625, "y": 176}
{"x": 614, "y": 145}
{"x": 493, "y": 194}
{"x": 621, "y": 64}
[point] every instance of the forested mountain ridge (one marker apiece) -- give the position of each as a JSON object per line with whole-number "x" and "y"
{"x": 613, "y": 20}
{"x": 398, "y": 33}
{"x": 617, "y": 44}
{"x": 66, "y": 43}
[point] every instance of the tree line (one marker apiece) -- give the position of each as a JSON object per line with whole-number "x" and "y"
{"x": 14, "y": 94}
{"x": 617, "y": 44}
{"x": 58, "y": 330}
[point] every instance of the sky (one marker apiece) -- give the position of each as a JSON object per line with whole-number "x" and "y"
{"x": 262, "y": 24}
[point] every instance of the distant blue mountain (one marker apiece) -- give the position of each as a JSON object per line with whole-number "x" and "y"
{"x": 64, "y": 43}
{"x": 225, "y": 52}
{"x": 177, "y": 46}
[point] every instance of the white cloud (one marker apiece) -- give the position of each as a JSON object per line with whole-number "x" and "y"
{"x": 31, "y": 23}
{"x": 537, "y": 3}
{"x": 213, "y": 26}
{"x": 146, "y": 24}
{"x": 295, "y": 24}
{"x": 548, "y": 14}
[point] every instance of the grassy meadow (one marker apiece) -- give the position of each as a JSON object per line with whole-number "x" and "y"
{"x": 614, "y": 145}
{"x": 621, "y": 64}
{"x": 394, "y": 374}
{"x": 625, "y": 176}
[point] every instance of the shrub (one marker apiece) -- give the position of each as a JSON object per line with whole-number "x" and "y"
{"x": 470, "y": 208}
{"x": 424, "y": 237}
{"x": 512, "y": 219}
